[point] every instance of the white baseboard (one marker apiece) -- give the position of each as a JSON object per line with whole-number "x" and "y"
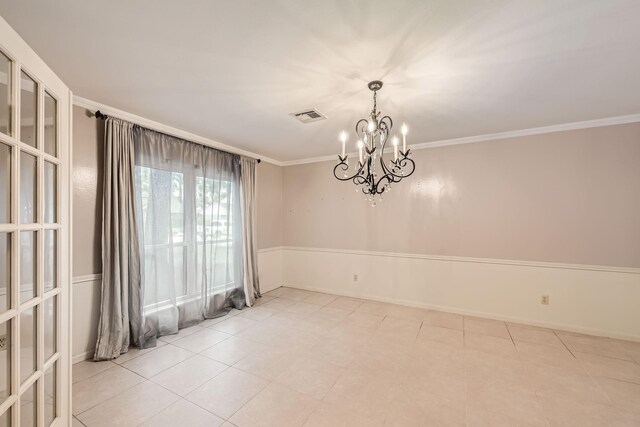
{"x": 87, "y": 278}
{"x": 82, "y": 357}
{"x": 594, "y": 300}
{"x": 493, "y": 316}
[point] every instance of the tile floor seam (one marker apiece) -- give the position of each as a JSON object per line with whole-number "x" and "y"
{"x": 107, "y": 399}
{"x": 510, "y": 336}
{"x": 159, "y": 372}
{"x": 91, "y": 376}
{"x": 78, "y": 420}
{"x": 419, "y": 329}
{"x": 564, "y": 343}
{"x": 208, "y": 410}
{"x": 161, "y": 385}
{"x": 252, "y": 397}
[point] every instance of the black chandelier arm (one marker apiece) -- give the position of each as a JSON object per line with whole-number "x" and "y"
{"x": 360, "y": 180}
{"x": 392, "y": 177}
{"x": 389, "y": 172}
{"x": 381, "y": 188}
{"x": 361, "y": 132}
{"x": 399, "y": 166}
{"x": 344, "y": 166}
{"x": 386, "y": 125}
{"x": 404, "y": 161}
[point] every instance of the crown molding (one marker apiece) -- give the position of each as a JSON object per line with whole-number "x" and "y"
{"x": 609, "y": 121}
{"x": 169, "y": 130}
{"x": 111, "y": 111}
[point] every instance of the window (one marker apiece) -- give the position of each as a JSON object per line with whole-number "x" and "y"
{"x": 214, "y": 231}
{"x": 162, "y": 195}
{"x": 188, "y": 240}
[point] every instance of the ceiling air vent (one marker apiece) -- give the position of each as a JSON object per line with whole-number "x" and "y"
{"x": 308, "y": 116}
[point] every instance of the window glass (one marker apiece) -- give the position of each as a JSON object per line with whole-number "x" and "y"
{"x": 162, "y": 196}
{"x": 176, "y": 249}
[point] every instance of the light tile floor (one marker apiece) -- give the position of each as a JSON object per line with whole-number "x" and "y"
{"x": 300, "y": 358}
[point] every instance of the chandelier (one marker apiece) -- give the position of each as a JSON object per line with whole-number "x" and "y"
{"x": 371, "y": 139}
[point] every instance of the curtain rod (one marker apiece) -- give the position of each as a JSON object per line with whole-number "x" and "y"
{"x": 99, "y": 115}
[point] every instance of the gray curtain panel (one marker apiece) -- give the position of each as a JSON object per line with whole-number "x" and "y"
{"x": 179, "y": 227}
{"x": 188, "y": 202}
{"x": 249, "y": 215}
{"x": 120, "y": 306}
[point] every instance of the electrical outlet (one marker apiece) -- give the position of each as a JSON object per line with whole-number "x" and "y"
{"x": 544, "y": 300}
{"x": 3, "y": 342}
{"x": 355, "y": 277}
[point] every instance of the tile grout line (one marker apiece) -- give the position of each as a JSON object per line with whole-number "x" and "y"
{"x": 184, "y": 397}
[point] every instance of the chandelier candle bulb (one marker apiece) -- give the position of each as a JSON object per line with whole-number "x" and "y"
{"x": 360, "y": 145}
{"x": 404, "y": 138}
{"x": 395, "y": 148}
{"x": 343, "y": 138}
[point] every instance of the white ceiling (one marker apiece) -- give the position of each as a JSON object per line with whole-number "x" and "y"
{"x": 232, "y": 71}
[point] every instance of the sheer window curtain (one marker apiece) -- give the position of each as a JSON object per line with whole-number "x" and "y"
{"x": 190, "y": 231}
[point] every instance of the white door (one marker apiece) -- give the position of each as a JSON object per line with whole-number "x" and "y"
{"x": 35, "y": 232}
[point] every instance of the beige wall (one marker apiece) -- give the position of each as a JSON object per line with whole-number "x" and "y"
{"x": 269, "y": 189}
{"x": 565, "y": 197}
{"x": 88, "y": 137}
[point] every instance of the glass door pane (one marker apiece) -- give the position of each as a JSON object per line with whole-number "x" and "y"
{"x": 5, "y": 419}
{"x": 28, "y": 409}
{"x": 50, "y": 396}
{"x": 27, "y": 343}
{"x": 50, "y": 125}
{"x": 5, "y": 360}
{"x": 5, "y": 95}
{"x": 5, "y": 183}
{"x": 50, "y": 326}
{"x": 5, "y": 271}
{"x": 50, "y": 186}
{"x": 28, "y": 270}
{"x": 50, "y": 259}
{"x": 28, "y": 188}
{"x": 28, "y": 109}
